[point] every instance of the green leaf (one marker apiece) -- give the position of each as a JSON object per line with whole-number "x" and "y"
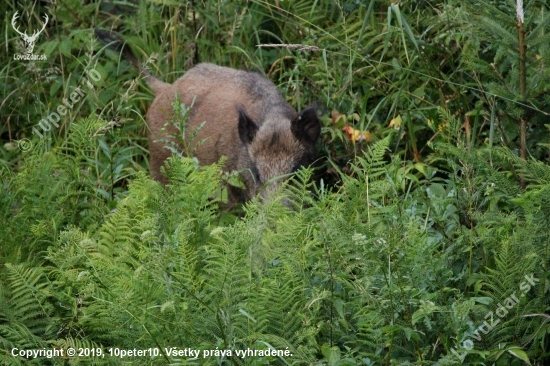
{"x": 65, "y": 46}
{"x": 483, "y": 300}
{"x": 50, "y": 46}
{"x": 519, "y": 353}
{"x": 436, "y": 190}
{"x": 331, "y": 354}
{"x": 55, "y": 88}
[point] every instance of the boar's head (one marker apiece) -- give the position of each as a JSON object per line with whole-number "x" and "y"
{"x": 274, "y": 149}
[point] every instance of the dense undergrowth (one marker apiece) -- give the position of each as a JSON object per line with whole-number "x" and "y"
{"x": 423, "y": 238}
{"x": 375, "y": 273}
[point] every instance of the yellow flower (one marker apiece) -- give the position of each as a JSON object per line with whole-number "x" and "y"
{"x": 357, "y": 135}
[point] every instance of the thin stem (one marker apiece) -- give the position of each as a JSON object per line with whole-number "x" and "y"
{"x": 522, "y": 79}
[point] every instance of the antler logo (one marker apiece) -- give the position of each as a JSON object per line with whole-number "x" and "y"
{"x": 29, "y": 40}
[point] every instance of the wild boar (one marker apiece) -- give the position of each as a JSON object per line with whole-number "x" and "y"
{"x": 234, "y": 113}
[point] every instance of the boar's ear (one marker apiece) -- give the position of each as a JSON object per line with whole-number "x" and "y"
{"x": 306, "y": 126}
{"x": 247, "y": 127}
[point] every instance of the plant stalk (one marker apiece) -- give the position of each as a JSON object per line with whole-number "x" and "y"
{"x": 522, "y": 79}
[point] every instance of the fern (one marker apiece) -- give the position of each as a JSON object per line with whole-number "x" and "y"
{"x": 27, "y": 319}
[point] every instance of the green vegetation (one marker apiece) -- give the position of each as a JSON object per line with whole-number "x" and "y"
{"x": 423, "y": 238}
